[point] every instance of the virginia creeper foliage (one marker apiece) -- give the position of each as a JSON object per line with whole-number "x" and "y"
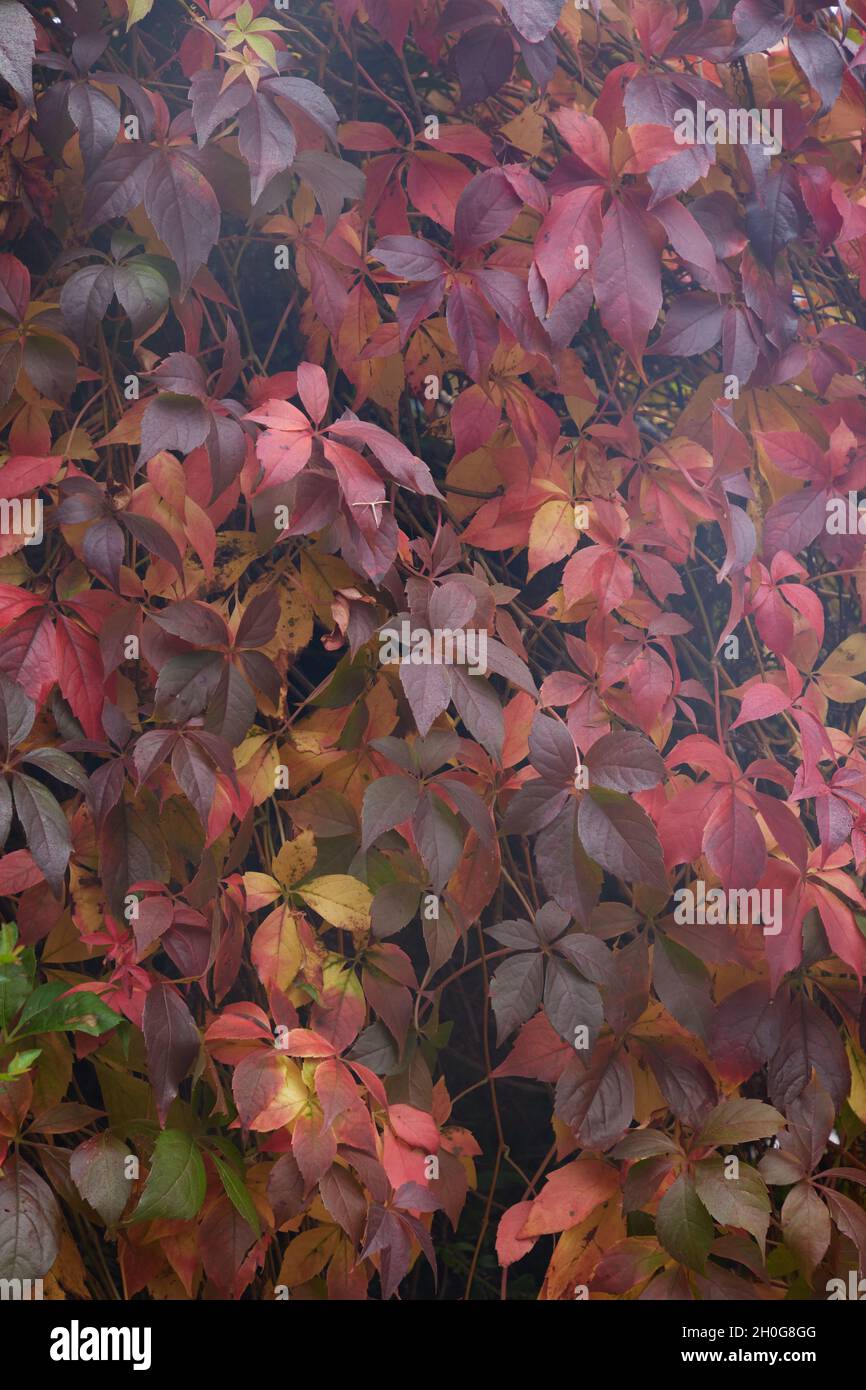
{"x": 534, "y": 971}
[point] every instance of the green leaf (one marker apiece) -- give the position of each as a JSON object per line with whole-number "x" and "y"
{"x": 236, "y": 1191}
{"x": 46, "y": 1012}
{"x": 21, "y": 1062}
{"x": 176, "y": 1183}
{"x": 143, "y": 292}
{"x": 14, "y": 989}
{"x": 137, "y": 10}
{"x": 645, "y": 1143}
{"x": 8, "y": 938}
{"x": 739, "y": 1122}
{"x": 734, "y": 1201}
{"x": 683, "y": 1224}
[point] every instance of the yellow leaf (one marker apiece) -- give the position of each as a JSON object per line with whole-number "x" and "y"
{"x": 257, "y": 761}
{"x": 307, "y": 1255}
{"x": 295, "y": 859}
{"x": 857, "y": 1098}
{"x": 552, "y": 534}
{"x": 525, "y": 131}
{"x": 843, "y": 689}
{"x": 295, "y": 627}
{"x": 341, "y": 900}
{"x": 849, "y": 658}
{"x": 269, "y": 1090}
{"x": 320, "y": 576}
{"x": 137, "y": 10}
{"x": 68, "y": 1270}
{"x": 235, "y": 552}
{"x": 260, "y": 889}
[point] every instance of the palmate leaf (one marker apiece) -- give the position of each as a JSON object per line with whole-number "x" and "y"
{"x": 299, "y": 366}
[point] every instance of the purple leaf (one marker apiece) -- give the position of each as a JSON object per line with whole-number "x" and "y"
{"x": 571, "y": 1002}
{"x": 119, "y": 183}
{"x": 693, "y": 325}
{"x": 211, "y": 106}
{"x": 795, "y": 521}
{"x": 172, "y": 422}
{"x": 625, "y": 762}
{"x": 409, "y": 257}
{"x": 103, "y": 550}
{"x": 153, "y": 537}
{"x": 515, "y": 992}
{"x": 439, "y": 839}
{"x": 619, "y": 836}
{"x": 387, "y": 802}
{"x": 184, "y": 211}
{"x": 486, "y": 208}
{"x": 484, "y": 58}
{"x": 17, "y": 49}
{"x": 45, "y": 827}
{"x": 97, "y": 120}
{"x": 195, "y": 776}
{"x": 570, "y": 877}
{"x": 85, "y": 298}
{"x": 821, "y": 59}
{"x": 534, "y": 19}
{"x": 551, "y": 751}
{"x": 172, "y": 1043}
{"x": 266, "y": 140}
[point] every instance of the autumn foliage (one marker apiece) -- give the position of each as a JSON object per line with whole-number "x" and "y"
{"x": 329, "y": 975}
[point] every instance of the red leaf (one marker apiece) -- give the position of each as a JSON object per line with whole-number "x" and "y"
{"x": 627, "y": 278}
{"x": 80, "y": 675}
